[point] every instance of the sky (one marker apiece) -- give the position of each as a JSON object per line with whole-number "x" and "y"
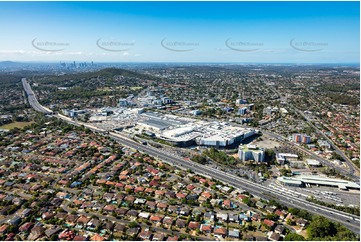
{"x": 245, "y": 32}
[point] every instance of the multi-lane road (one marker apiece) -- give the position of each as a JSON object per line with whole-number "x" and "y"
{"x": 352, "y": 167}
{"x": 33, "y": 101}
{"x": 350, "y": 221}
{"x": 353, "y": 170}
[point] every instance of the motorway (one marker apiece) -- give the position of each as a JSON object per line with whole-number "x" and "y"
{"x": 350, "y": 221}
{"x": 33, "y": 101}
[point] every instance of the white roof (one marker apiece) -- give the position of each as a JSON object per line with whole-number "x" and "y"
{"x": 313, "y": 162}
{"x": 343, "y": 184}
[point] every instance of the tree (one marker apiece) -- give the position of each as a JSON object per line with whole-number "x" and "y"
{"x": 272, "y": 216}
{"x": 133, "y": 224}
{"x": 248, "y": 201}
{"x": 290, "y": 222}
{"x": 294, "y": 237}
{"x": 201, "y": 159}
{"x": 320, "y": 227}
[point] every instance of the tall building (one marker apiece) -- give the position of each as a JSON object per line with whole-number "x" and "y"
{"x": 242, "y": 111}
{"x": 296, "y": 138}
{"x": 251, "y": 152}
{"x": 301, "y": 138}
{"x": 167, "y": 100}
{"x": 306, "y": 139}
{"x": 123, "y": 103}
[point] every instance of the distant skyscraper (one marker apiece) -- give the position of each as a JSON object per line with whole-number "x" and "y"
{"x": 123, "y": 103}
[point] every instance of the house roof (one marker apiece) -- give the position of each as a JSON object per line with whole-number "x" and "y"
{"x": 205, "y": 227}
{"x": 181, "y": 223}
{"x": 174, "y": 238}
{"x": 155, "y": 218}
{"x": 275, "y": 236}
{"x": 97, "y": 237}
{"x": 220, "y": 230}
{"x": 268, "y": 222}
{"x": 193, "y": 225}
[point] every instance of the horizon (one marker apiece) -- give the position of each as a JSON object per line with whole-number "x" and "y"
{"x": 181, "y": 62}
{"x": 186, "y": 32}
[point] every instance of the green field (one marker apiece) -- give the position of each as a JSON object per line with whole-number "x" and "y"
{"x": 19, "y": 125}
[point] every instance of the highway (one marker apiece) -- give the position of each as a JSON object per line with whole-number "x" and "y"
{"x": 33, "y": 101}
{"x": 350, "y": 221}
{"x": 241, "y": 183}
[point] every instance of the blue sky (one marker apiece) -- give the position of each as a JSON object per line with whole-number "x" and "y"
{"x": 263, "y": 32}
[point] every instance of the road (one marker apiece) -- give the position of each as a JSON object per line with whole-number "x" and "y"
{"x": 352, "y": 167}
{"x": 33, "y": 101}
{"x": 350, "y": 221}
{"x": 342, "y": 171}
{"x": 122, "y": 221}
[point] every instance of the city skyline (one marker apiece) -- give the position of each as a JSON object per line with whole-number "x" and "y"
{"x": 231, "y": 32}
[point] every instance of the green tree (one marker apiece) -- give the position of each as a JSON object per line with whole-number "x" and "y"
{"x": 320, "y": 227}
{"x": 133, "y": 224}
{"x": 294, "y": 237}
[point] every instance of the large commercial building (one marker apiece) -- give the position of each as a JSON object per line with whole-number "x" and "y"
{"x": 324, "y": 144}
{"x": 166, "y": 100}
{"x": 300, "y": 181}
{"x": 242, "y": 111}
{"x": 251, "y": 152}
{"x": 313, "y": 163}
{"x": 224, "y": 136}
{"x": 281, "y": 158}
{"x": 185, "y": 131}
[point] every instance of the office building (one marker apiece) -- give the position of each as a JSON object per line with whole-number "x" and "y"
{"x": 251, "y": 152}
{"x": 242, "y": 111}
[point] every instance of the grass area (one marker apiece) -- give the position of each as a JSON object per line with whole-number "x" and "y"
{"x": 19, "y": 125}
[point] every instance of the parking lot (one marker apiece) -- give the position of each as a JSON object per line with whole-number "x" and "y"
{"x": 322, "y": 193}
